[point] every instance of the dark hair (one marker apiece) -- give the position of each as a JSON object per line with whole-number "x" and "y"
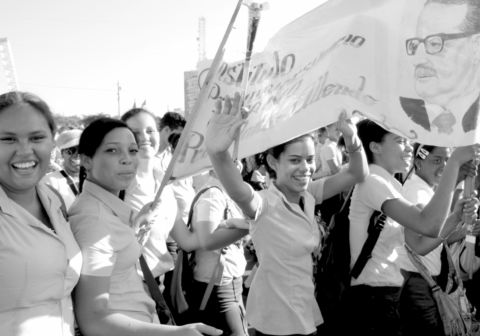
{"x": 172, "y": 120}
{"x": 136, "y": 111}
{"x": 369, "y": 131}
{"x": 419, "y": 152}
{"x": 279, "y": 149}
{"x": 92, "y": 137}
{"x": 173, "y": 140}
{"x": 471, "y": 23}
{"x": 19, "y": 97}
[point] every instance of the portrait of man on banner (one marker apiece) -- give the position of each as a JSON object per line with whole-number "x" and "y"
{"x": 445, "y": 54}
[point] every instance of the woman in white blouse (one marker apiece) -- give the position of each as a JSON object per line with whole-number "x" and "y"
{"x": 110, "y": 296}
{"x": 39, "y": 259}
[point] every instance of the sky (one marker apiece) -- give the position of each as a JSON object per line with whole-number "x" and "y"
{"x": 72, "y": 53}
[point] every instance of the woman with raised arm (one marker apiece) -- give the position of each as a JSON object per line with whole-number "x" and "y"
{"x": 418, "y": 311}
{"x": 40, "y": 261}
{"x": 373, "y": 298}
{"x": 284, "y": 231}
{"x": 110, "y": 298}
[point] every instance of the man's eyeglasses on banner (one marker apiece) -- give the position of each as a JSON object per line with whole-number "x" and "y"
{"x": 433, "y": 43}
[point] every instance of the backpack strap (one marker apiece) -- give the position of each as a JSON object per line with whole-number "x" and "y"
{"x": 194, "y": 201}
{"x": 377, "y": 222}
{"x": 220, "y": 266}
{"x": 70, "y": 182}
{"x": 422, "y": 269}
{"x": 164, "y": 314}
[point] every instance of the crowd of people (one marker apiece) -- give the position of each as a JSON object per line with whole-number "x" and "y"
{"x": 71, "y": 254}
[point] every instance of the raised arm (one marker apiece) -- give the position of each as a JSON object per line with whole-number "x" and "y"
{"x": 452, "y": 230}
{"x": 357, "y": 168}
{"x": 429, "y": 220}
{"x": 221, "y": 131}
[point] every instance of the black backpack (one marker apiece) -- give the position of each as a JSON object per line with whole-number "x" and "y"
{"x": 333, "y": 274}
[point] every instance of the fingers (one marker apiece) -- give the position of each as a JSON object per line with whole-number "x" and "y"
{"x": 207, "y": 330}
{"x": 218, "y": 106}
{"x": 236, "y": 103}
{"x": 476, "y": 228}
{"x": 467, "y": 153}
{"x": 470, "y": 205}
{"x": 227, "y": 105}
{"x": 230, "y": 106}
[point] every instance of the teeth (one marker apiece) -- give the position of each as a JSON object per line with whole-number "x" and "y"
{"x": 24, "y": 165}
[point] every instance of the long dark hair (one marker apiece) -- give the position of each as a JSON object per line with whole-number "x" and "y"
{"x": 369, "y": 131}
{"x": 92, "y": 137}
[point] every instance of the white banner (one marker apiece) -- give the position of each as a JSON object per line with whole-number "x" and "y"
{"x": 410, "y": 66}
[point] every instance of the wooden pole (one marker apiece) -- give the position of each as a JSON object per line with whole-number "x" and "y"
{"x": 204, "y": 92}
{"x": 254, "y": 10}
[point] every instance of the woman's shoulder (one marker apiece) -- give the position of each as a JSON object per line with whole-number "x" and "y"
{"x": 85, "y": 211}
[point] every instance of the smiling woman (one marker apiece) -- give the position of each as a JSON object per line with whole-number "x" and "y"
{"x": 39, "y": 258}
{"x": 281, "y": 300}
{"x": 373, "y": 299}
{"x": 110, "y": 296}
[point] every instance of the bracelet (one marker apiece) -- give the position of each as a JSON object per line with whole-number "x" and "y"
{"x": 351, "y": 150}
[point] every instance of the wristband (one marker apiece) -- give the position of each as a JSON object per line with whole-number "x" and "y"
{"x": 351, "y": 149}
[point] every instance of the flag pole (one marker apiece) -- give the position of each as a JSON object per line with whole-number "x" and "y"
{"x": 205, "y": 90}
{"x": 254, "y": 10}
{"x": 470, "y": 240}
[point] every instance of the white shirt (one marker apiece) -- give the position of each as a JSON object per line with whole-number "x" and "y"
{"x": 141, "y": 192}
{"x": 60, "y": 183}
{"x": 417, "y": 191}
{"x": 211, "y": 206}
{"x": 329, "y": 151}
{"x": 281, "y": 300}
{"x": 101, "y": 225}
{"x": 383, "y": 269}
{"x": 39, "y": 269}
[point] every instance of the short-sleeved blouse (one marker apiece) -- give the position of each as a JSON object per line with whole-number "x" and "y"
{"x": 100, "y": 222}
{"x": 383, "y": 268}
{"x": 211, "y": 206}
{"x": 39, "y": 269}
{"x": 281, "y": 300}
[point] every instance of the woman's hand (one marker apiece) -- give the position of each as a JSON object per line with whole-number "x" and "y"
{"x": 346, "y": 126}
{"x": 144, "y": 220}
{"x": 466, "y": 153}
{"x": 198, "y": 329}
{"x": 467, "y": 169}
{"x": 234, "y": 223}
{"x": 465, "y": 209}
{"x": 224, "y": 124}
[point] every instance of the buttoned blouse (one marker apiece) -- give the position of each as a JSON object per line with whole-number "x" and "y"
{"x": 281, "y": 299}
{"x": 39, "y": 269}
{"x": 100, "y": 222}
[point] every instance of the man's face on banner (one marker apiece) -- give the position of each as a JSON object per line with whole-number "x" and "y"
{"x": 443, "y": 75}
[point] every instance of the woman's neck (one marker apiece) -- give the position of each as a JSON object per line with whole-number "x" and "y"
{"x": 293, "y": 197}
{"x": 25, "y": 198}
{"x": 145, "y": 166}
{"x": 425, "y": 180}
